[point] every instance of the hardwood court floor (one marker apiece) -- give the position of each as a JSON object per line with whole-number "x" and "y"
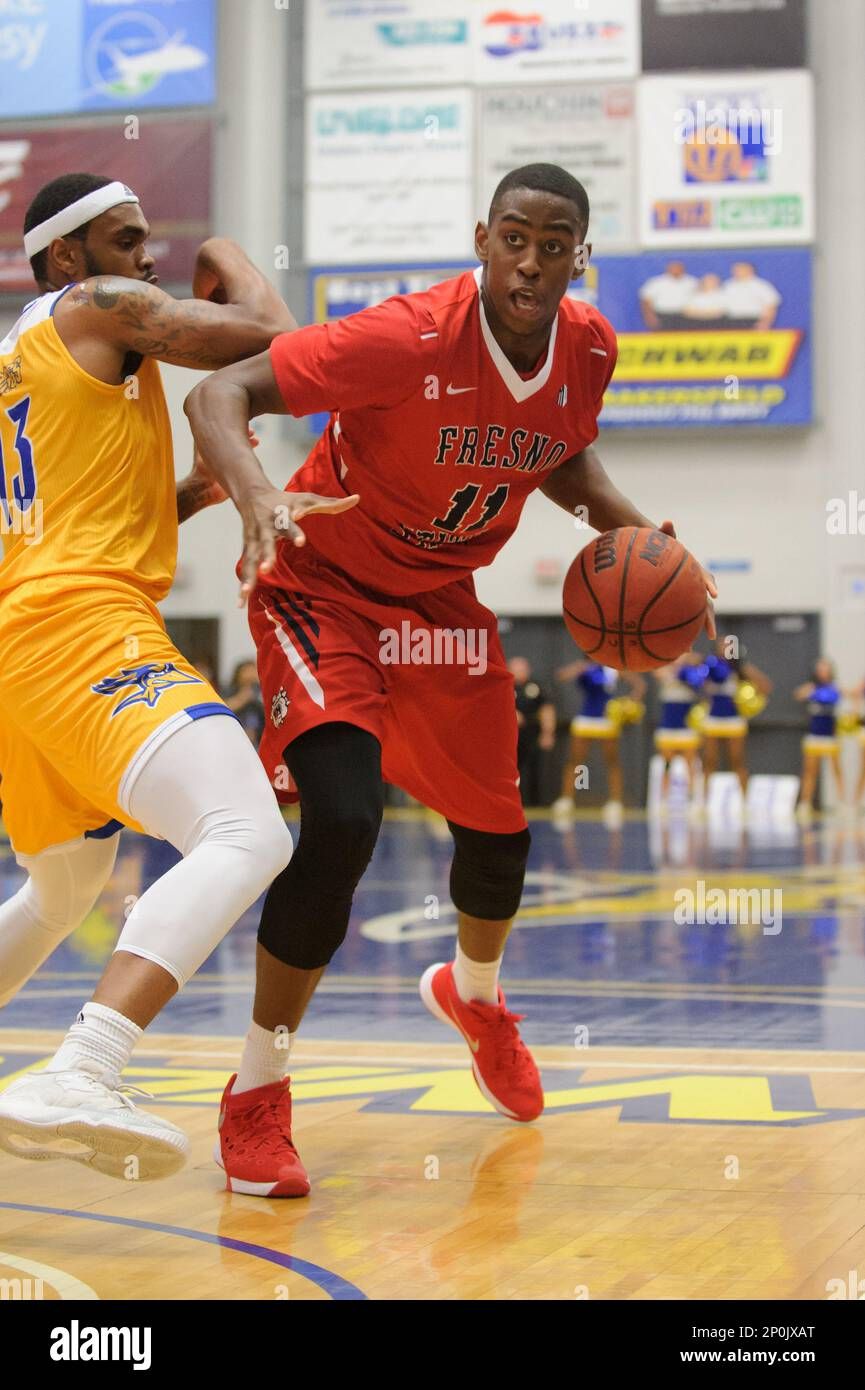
{"x": 704, "y": 1136}
{"x": 653, "y": 1175}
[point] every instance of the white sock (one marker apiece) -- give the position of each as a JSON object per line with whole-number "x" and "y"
{"x": 99, "y": 1041}
{"x": 476, "y": 979}
{"x": 265, "y": 1058}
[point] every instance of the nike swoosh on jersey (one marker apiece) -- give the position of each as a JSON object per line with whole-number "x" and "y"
{"x": 474, "y": 1043}
{"x": 459, "y": 390}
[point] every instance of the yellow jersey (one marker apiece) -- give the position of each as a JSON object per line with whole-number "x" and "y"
{"x": 87, "y": 487}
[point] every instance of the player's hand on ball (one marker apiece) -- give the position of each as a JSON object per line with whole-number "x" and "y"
{"x": 271, "y": 516}
{"x": 711, "y": 587}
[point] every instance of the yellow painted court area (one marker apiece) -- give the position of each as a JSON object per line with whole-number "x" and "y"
{"x": 652, "y": 1175}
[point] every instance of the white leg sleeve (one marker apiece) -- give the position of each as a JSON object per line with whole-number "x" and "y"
{"x": 205, "y": 792}
{"x": 63, "y": 885}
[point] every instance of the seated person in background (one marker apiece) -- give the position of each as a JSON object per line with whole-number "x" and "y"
{"x": 244, "y": 699}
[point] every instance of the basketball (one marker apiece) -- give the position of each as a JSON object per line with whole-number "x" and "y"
{"x": 634, "y": 599}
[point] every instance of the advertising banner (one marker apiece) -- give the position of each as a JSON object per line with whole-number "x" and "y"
{"x": 681, "y": 34}
{"x": 374, "y": 43}
{"x": 709, "y": 338}
{"x": 389, "y": 174}
{"x": 587, "y": 129}
{"x": 64, "y": 56}
{"x": 168, "y": 166}
{"x": 727, "y": 159}
{"x": 557, "y": 41}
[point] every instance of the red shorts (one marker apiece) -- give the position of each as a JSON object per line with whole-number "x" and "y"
{"x": 425, "y": 675}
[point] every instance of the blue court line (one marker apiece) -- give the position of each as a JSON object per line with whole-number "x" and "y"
{"x": 332, "y": 1284}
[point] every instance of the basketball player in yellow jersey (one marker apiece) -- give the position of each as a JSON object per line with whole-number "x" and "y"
{"x": 102, "y": 722}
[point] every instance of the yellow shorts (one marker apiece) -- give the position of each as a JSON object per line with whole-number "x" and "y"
{"x": 725, "y": 726}
{"x": 676, "y": 740}
{"x": 90, "y": 686}
{"x": 585, "y": 726}
{"x": 821, "y": 744}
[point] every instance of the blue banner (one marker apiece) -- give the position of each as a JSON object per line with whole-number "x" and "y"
{"x": 706, "y": 338}
{"x": 64, "y": 56}
{"x": 714, "y": 338}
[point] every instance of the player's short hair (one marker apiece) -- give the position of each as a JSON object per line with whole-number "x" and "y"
{"x": 56, "y": 197}
{"x": 544, "y": 178}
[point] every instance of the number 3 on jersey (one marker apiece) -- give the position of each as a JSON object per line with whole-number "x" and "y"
{"x": 24, "y": 481}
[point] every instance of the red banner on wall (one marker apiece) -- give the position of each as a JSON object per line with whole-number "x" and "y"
{"x": 169, "y": 166}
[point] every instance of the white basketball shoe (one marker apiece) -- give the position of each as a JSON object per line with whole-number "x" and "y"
{"x": 72, "y": 1114}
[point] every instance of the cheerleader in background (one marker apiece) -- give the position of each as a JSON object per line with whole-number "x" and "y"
{"x": 823, "y": 696}
{"x": 597, "y": 685}
{"x": 679, "y": 688}
{"x": 859, "y": 696}
{"x": 723, "y": 723}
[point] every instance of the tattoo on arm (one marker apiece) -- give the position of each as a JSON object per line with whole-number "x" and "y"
{"x": 152, "y": 324}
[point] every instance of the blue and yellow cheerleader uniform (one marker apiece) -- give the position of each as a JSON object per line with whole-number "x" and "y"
{"x": 723, "y": 719}
{"x": 679, "y": 693}
{"x": 597, "y": 684}
{"x": 822, "y": 735}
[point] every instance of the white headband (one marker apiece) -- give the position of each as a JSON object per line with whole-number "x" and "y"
{"x": 77, "y": 215}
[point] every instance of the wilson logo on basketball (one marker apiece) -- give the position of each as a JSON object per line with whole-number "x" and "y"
{"x": 654, "y": 547}
{"x": 630, "y": 615}
{"x": 605, "y": 552}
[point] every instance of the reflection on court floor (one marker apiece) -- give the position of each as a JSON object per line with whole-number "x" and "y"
{"x": 695, "y": 994}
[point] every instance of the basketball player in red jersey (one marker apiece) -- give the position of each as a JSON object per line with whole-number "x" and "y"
{"x": 376, "y": 659}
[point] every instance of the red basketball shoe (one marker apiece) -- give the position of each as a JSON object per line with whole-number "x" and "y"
{"x": 255, "y": 1146}
{"x": 502, "y": 1065}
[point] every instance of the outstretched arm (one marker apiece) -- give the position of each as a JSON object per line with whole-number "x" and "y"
{"x": 571, "y": 671}
{"x": 582, "y": 481}
{"x": 219, "y": 410}
{"x": 199, "y": 489}
{"x": 236, "y": 313}
{"x": 758, "y": 678}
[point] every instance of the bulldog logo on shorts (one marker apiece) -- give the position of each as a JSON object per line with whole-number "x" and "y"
{"x": 147, "y": 684}
{"x": 279, "y": 708}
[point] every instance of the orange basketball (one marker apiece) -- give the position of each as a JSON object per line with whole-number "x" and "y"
{"x": 634, "y": 599}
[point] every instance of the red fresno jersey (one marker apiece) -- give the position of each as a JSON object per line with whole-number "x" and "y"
{"x": 441, "y": 437}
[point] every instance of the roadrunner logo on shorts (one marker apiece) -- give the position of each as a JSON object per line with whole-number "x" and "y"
{"x": 147, "y": 684}
{"x": 279, "y": 708}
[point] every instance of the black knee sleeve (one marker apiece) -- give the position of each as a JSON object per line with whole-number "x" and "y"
{"x": 487, "y": 872}
{"x": 337, "y": 770}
